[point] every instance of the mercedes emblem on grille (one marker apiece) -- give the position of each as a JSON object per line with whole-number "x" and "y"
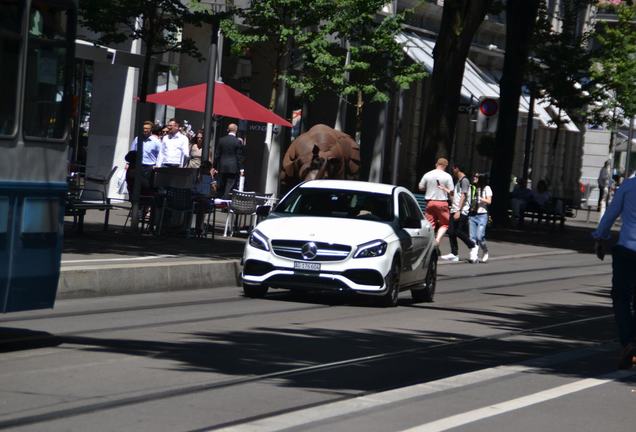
{"x": 309, "y": 250}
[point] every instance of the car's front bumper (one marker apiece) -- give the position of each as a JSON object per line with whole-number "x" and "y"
{"x": 363, "y": 275}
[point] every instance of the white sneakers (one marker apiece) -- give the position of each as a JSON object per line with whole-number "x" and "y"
{"x": 474, "y": 254}
{"x": 450, "y": 257}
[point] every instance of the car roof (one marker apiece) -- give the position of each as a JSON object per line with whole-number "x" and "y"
{"x": 356, "y": 185}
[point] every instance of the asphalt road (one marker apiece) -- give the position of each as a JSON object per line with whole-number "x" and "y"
{"x": 516, "y": 344}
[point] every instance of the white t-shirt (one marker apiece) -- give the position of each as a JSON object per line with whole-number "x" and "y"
{"x": 462, "y": 187}
{"x": 482, "y": 207}
{"x": 428, "y": 184}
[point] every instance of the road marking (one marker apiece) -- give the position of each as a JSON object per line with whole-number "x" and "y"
{"x": 373, "y": 401}
{"x": 515, "y": 404}
{"x": 117, "y": 259}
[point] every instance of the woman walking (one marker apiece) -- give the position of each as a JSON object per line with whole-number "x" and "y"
{"x": 481, "y": 198}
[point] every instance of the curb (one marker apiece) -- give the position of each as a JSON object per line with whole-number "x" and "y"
{"x": 99, "y": 281}
{"x": 120, "y": 279}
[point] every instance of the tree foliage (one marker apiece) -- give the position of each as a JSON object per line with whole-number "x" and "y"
{"x": 377, "y": 65}
{"x": 311, "y": 33}
{"x": 614, "y": 68}
{"x": 561, "y": 61}
{"x": 273, "y": 30}
{"x": 115, "y": 21}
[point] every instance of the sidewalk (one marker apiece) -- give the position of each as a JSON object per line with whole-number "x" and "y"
{"x": 114, "y": 262}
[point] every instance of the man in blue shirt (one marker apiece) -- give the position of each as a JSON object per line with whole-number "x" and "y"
{"x": 623, "y": 266}
{"x": 151, "y": 148}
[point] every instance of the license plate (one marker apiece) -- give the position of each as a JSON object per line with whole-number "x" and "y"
{"x": 306, "y": 266}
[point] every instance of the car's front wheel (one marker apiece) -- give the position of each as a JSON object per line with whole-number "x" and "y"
{"x": 392, "y": 281}
{"x": 426, "y": 291}
{"x": 254, "y": 291}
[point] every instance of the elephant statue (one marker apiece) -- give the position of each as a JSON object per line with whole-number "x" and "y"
{"x": 321, "y": 152}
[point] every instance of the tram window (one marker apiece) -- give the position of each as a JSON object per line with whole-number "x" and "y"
{"x": 45, "y": 114}
{"x": 10, "y": 20}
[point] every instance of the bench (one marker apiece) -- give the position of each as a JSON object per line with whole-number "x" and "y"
{"x": 421, "y": 201}
{"x": 556, "y": 210}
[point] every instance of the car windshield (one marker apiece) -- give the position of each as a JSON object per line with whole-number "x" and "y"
{"x": 337, "y": 203}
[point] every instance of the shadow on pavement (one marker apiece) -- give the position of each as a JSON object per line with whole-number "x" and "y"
{"x": 115, "y": 241}
{"x": 570, "y": 237}
{"x": 17, "y": 339}
{"x": 416, "y": 357}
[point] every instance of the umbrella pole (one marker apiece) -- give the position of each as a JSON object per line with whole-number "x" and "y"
{"x": 208, "y": 144}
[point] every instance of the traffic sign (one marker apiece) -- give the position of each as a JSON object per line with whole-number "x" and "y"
{"x": 489, "y": 106}
{"x": 487, "y": 114}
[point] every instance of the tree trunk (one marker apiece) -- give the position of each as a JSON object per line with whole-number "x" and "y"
{"x": 141, "y": 102}
{"x": 520, "y": 18}
{"x": 277, "y": 103}
{"x": 460, "y": 21}
{"x": 359, "y": 107}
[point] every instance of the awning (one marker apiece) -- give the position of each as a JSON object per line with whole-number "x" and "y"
{"x": 475, "y": 83}
{"x": 227, "y": 102}
{"x": 622, "y": 147}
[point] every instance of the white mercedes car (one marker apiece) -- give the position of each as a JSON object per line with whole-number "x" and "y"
{"x": 343, "y": 236}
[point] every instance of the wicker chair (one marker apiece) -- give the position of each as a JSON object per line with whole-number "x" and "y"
{"x": 241, "y": 204}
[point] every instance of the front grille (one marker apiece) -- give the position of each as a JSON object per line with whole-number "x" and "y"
{"x": 307, "y": 282}
{"x": 326, "y": 251}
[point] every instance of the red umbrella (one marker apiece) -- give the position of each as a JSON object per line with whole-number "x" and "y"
{"x": 227, "y": 102}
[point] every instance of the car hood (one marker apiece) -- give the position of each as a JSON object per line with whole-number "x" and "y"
{"x": 325, "y": 229}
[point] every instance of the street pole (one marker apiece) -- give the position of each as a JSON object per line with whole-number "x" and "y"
{"x": 526, "y": 155}
{"x": 630, "y": 141}
{"x": 208, "y": 135}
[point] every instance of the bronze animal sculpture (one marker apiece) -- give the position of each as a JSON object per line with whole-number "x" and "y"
{"x": 321, "y": 152}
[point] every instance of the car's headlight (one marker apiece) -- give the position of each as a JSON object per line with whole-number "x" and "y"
{"x": 258, "y": 240}
{"x": 371, "y": 249}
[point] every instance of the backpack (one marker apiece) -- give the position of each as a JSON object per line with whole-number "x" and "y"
{"x": 474, "y": 200}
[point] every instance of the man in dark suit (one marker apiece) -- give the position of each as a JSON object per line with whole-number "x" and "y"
{"x": 228, "y": 162}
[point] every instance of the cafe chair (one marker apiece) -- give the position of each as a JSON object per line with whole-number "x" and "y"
{"x": 178, "y": 202}
{"x": 103, "y": 181}
{"x": 241, "y": 204}
{"x": 146, "y": 213}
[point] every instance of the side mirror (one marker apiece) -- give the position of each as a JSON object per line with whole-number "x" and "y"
{"x": 412, "y": 223}
{"x": 263, "y": 211}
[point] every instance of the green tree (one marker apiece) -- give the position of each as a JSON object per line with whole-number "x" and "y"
{"x": 614, "y": 68}
{"x": 520, "y": 19}
{"x": 377, "y": 65}
{"x": 272, "y": 30}
{"x": 460, "y": 21}
{"x": 303, "y": 42}
{"x": 158, "y": 24}
{"x": 561, "y": 63}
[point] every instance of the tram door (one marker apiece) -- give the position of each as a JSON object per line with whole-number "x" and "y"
{"x": 36, "y": 52}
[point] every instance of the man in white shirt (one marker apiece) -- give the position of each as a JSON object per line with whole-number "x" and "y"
{"x": 175, "y": 147}
{"x": 435, "y": 184}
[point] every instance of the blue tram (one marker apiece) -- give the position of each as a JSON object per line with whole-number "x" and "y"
{"x": 36, "y": 64}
